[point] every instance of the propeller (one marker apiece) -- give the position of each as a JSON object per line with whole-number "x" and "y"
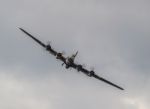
{"x": 48, "y": 42}
{"x": 92, "y": 68}
{"x": 63, "y": 52}
{"x": 83, "y": 65}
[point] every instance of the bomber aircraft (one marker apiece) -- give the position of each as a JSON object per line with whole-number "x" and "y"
{"x": 69, "y": 61}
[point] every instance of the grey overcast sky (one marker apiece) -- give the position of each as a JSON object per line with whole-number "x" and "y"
{"x": 111, "y": 35}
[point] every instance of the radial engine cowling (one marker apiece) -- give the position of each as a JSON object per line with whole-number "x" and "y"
{"x": 79, "y": 67}
{"x": 91, "y": 73}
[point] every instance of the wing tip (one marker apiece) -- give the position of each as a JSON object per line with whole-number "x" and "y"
{"x": 20, "y": 28}
{"x": 108, "y": 82}
{"x": 121, "y": 89}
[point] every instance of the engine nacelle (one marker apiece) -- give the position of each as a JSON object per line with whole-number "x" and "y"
{"x": 91, "y": 73}
{"x": 48, "y": 47}
{"x": 79, "y": 67}
{"x": 59, "y": 55}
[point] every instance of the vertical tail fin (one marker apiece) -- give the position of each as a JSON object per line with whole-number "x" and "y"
{"x": 76, "y": 54}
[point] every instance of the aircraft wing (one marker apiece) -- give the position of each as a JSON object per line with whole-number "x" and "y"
{"x": 85, "y": 71}
{"x": 39, "y": 42}
{"x": 75, "y": 66}
{"x": 106, "y": 81}
{"x": 100, "y": 78}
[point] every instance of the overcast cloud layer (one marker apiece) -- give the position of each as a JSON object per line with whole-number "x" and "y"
{"x": 111, "y": 35}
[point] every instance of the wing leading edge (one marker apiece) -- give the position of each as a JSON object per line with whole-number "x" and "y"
{"x": 92, "y": 74}
{"x": 106, "y": 81}
{"x": 39, "y": 42}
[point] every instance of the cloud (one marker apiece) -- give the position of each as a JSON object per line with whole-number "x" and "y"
{"x": 136, "y": 103}
{"x": 113, "y": 36}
